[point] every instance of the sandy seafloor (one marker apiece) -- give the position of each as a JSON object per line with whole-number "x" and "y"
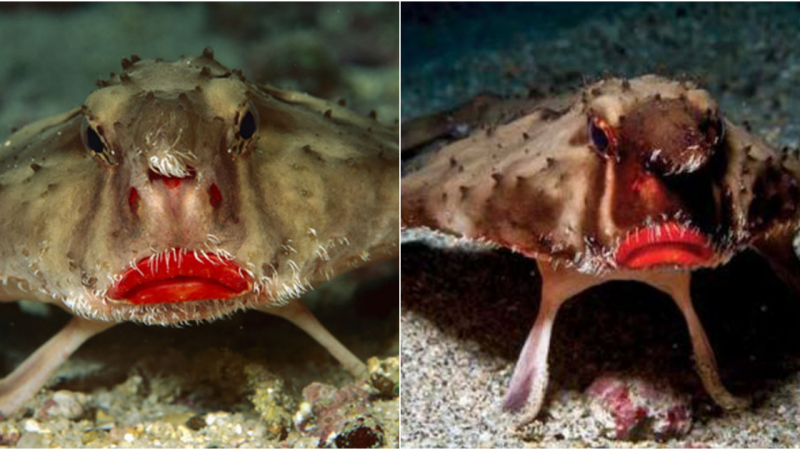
{"x": 466, "y": 312}
{"x": 162, "y": 387}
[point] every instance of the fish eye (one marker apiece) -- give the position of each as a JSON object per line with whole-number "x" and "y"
{"x": 602, "y": 136}
{"x": 714, "y": 129}
{"x": 92, "y": 141}
{"x": 246, "y": 131}
{"x": 248, "y": 125}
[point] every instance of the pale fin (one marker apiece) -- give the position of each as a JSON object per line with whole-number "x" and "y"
{"x": 677, "y": 285}
{"x": 528, "y": 385}
{"x": 29, "y": 377}
{"x": 529, "y": 382}
{"x": 296, "y": 313}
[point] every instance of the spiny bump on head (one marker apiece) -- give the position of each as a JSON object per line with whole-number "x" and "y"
{"x": 239, "y": 74}
{"x": 128, "y": 63}
{"x": 208, "y": 53}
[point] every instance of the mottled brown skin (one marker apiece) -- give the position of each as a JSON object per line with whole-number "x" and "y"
{"x": 539, "y": 185}
{"x": 310, "y": 194}
{"x": 639, "y": 180}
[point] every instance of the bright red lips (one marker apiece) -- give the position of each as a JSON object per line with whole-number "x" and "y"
{"x": 173, "y": 278}
{"x": 666, "y": 244}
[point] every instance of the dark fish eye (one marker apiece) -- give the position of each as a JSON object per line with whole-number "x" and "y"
{"x": 247, "y": 127}
{"x": 94, "y": 143}
{"x": 93, "y": 140}
{"x": 599, "y": 138}
{"x": 601, "y": 135}
{"x": 713, "y": 127}
{"x": 716, "y": 131}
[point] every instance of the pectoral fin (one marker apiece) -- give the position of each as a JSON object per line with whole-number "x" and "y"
{"x": 25, "y": 381}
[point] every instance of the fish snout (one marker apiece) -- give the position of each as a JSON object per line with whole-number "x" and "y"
{"x": 672, "y": 137}
{"x": 178, "y": 210}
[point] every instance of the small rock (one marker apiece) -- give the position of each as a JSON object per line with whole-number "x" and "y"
{"x": 31, "y": 426}
{"x": 634, "y": 408}
{"x": 364, "y": 432}
{"x": 218, "y": 418}
{"x": 91, "y": 436}
{"x": 196, "y": 423}
{"x": 103, "y": 420}
{"x": 126, "y": 433}
{"x": 9, "y": 434}
{"x": 176, "y": 419}
{"x": 65, "y": 404}
{"x": 30, "y": 440}
{"x": 383, "y": 375}
{"x": 271, "y": 401}
{"x": 337, "y": 416}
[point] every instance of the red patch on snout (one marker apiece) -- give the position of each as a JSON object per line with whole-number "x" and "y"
{"x": 174, "y": 278}
{"x": 171, "y": 183}
{"x": 666, "y": 244}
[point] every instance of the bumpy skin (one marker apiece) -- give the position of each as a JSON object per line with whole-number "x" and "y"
{"x": 312, "y": 194}
{"x": 539, "y": 185}
{"x": 211, "y": 193}
{"x": 638, "y": 180}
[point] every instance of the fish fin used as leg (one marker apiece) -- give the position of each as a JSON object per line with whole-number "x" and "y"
{"x": 29, "y": 377}
{"x": 296, "y": 313}
{"x": 677, "y": 285}
{"x": 528, "y": 385}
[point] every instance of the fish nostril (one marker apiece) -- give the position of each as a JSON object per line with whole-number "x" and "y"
{"x": 214, "y": 196}
{"x": 133, "y": 199}
{"x": 678, "y": 162}
{"x": 171, "y": 182}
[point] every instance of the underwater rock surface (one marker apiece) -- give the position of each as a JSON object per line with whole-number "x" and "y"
{"x": 235, "y": 382}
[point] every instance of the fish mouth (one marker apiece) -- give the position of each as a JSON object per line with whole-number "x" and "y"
{"x": 178, "y": 276}
{"x": 666, "y": 244}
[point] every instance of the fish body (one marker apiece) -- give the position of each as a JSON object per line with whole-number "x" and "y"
{"x": 182, "y": 192}
{"x": 638, "y": 179}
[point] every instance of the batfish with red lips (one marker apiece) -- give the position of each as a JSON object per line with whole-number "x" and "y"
{"x": 641, "y": 179}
